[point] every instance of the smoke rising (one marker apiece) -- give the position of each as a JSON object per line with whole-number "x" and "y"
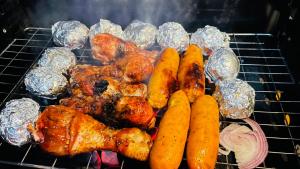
{"x": 192, "y": 14}
{"x": 119, "y": 11}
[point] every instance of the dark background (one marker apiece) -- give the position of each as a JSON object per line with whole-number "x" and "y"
{"x": 279, "y": 17}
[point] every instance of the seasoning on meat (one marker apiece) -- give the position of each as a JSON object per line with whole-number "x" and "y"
{"x": 69, "y": 132}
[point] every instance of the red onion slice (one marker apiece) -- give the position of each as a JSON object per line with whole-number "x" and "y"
{"x": 110, "y": 158}
{"x": 250, "y": 146}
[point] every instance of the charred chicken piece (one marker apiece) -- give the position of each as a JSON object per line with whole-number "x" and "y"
{"x": 83, "y": 78}
{"x": 136, "y": 67}
{"x": 87, "y": 80}
{"x": 134, "y": 143}
{"x": 107, "y": 49}
{"x": 136, "y": 111}
{"x": 92, "y": 105}
{"x": 128, "y": 111}
{"x": 133, "y": 89}
{"x": 66, "y": 131}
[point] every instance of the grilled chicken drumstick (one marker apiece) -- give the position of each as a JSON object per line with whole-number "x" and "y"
{"x": 85, "y": 79}
{"x": 65, "y": 131}
{"x": 107, "y": 48}
{"x": 136, "y": 111}
{"x": 131, "y": 111}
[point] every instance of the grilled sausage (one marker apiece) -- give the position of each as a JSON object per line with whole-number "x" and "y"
{"x": 168, "y": 147}
{"x": 191, "y": 73}
{"x": 203, "y": 139}
{"x": 163, "y": 79}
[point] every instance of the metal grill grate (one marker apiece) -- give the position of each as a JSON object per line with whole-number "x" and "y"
{"x": 262, "y": 66}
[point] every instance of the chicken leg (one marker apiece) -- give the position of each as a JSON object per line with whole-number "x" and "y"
{"x": 65, "y": 131}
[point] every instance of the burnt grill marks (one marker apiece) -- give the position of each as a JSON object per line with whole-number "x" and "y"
{"x": 194, "y": 77}
{"x": 172, "y": 83}
{"x": 100, "y": 86}
{"x": 120, "y": 51}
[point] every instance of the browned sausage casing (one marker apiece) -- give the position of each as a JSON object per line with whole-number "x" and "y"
{"x": 191, "y": 73}
{"x": 163, "y": 79}
{"x": 168, "y": 147}
{"x": 203, "y": 139}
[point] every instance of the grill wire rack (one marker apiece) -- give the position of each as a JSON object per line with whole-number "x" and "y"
{"x": 262, "y": 66}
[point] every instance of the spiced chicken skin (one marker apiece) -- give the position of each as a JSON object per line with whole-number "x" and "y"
{"x": 65, "y": 131}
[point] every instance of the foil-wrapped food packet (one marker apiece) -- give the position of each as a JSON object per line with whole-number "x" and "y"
{"x": 45, "y": 82}
{"x": 141, "y": 33}
{"x": 236, "y": 98}
{"x": 58, "y": 59}
{"x": 106, "y": 26}
{"x": 71, "y": 34}
{"x": 15, "y": 118}
{"x": 210, "y": 38}
{"x": 222, "y": 65}
{"x": 172, "y": 34}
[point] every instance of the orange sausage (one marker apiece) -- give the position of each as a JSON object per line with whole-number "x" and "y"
{"x": 191, "y": 73}
{"x": 203, "y": 139}
{"x": 163, "y": 79}
{"x": 168, "y": 147}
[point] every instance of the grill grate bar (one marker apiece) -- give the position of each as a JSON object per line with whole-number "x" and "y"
{"x": 264, "y": 49}
{"x": 259, "y": 57}
{"x": 229, "y": 164}
{"x": 89, "y": 161}
{"x": 5, "y": 83}
{"x": 265, "y": 73}
{"x": 25, "y": 155}
{"x": 20, "y": 52}
{"x": 16, "y": 54}
{"x": 16, "y": 59}
{"x": 281, "y": 107}
{"x": 266, "y": 65}
{"x": 6, "y": 74}
{"x": 54, "y": 162}
{"x": 25, "y": 165}
{"x": 282, "y": 138}
{"x": 31, "y": 46}
{"x": 34, "y": 61}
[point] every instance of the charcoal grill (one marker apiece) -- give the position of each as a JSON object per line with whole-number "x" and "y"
{"x": 262, "y": 66}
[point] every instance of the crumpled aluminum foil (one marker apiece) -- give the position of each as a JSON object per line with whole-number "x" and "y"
{"x": 222, "y": 65}
{"x": 106, "y": 26}
{"x": 142, "y": 34}
{"x": 94, "y": 30}
{"x": 236, "y": 98}
{"x": 172, "y": 34}
{"x": 58, "y": 59}
{"x": 210, "y": 38}
{"x": 71, "y": 34}
{"x": 45, "y": 82}
{"x": 14, "y": 119}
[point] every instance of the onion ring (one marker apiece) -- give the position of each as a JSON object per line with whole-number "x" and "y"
{"x": 250, "y": 146}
